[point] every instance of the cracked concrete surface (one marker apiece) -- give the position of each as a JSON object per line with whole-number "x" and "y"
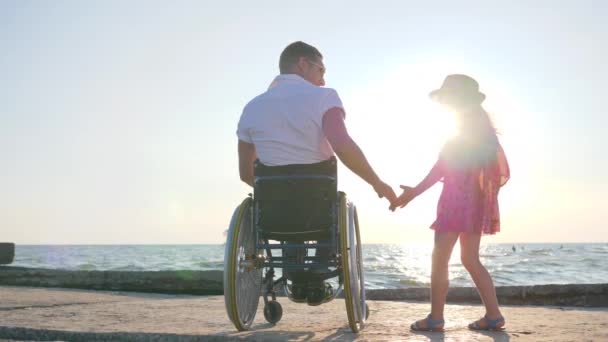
{"x": 79, "y": 315}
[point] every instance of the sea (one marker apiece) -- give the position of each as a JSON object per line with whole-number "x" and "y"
{"x": 386, "y": 266}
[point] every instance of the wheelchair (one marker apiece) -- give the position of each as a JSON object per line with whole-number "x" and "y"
{"x": 294, "y": 210}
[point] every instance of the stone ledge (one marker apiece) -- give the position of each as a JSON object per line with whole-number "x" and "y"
{"x": 7, "y": 253}
{"x": 210, "y": 283}
{"x": 587, "y": 295}
{"x": 174, "y": 282}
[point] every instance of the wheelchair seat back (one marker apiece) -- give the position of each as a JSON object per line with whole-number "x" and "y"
{"x": 295, "y": 202}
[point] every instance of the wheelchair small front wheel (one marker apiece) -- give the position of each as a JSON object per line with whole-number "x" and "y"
{"x": 242, "y": 279}
{"x": 273, "y": 312}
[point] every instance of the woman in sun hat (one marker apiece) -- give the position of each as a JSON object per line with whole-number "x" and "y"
{"x": 473, "y": 167}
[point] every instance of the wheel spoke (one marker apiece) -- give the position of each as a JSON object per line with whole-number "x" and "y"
{"x": 348, "y": 263}
{"x": 354, "y": 284}
{"x": 242, "y": 282}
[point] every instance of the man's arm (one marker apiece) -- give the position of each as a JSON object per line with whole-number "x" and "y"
{"x": 350, "y": 154}
{"x": 247, "y": 156}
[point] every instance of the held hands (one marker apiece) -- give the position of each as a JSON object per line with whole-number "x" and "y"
{"x": 384, "y": 190}
{"x": 403, "y": 199}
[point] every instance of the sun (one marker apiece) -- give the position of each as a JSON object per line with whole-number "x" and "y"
{"x": 401, "y": 132}
{"x": 397, "y": 121}
{"x": 437, "y": 121}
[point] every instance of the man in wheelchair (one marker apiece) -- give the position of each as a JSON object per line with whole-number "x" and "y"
{"x": 293, "y": 128}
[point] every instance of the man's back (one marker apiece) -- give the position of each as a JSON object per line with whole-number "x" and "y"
{"x": 286, "y": 122}
{"x": 298, "y": 121}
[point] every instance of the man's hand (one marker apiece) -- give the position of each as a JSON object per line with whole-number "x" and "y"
{"x": 384, "y": 190}
{"x": 404, "y": 198}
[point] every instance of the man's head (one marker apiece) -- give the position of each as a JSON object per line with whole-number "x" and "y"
{"x": 304, "y": 60}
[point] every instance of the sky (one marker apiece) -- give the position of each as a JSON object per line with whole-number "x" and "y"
{"x": 118, "y": 118}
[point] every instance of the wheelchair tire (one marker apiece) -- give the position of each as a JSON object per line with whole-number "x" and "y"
{"x": 273, "y": 312}
{"x": 242, "y": 282}
{"x": 352, "y": 265}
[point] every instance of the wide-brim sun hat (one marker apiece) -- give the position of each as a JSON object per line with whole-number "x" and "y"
{"x": 459, "y": 85}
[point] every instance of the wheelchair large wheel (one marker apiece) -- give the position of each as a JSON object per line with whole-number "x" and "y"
{"x": 352, "y": 265}
{"x": 242, "y": 280}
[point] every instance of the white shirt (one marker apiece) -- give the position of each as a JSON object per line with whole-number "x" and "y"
{"x": 285, "y": 124}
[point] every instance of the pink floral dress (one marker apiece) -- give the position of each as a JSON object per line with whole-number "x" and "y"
{"x": 472, "y": 178}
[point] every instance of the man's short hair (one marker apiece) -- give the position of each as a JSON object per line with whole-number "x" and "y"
{"x": 292, "y": 53}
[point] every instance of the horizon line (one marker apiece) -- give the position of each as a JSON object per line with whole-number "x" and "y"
{"x": 222, "y": 243}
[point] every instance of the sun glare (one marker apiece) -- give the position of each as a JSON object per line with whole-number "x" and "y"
{"x": 394, "y": 119}
{"x": 443, "y": 120}
{"x": 401, "y": 131}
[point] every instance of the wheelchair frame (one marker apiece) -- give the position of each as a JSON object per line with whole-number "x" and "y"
{"x": 345, "y": 255}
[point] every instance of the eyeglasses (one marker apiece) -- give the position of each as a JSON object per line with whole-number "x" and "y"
{"x": 321, "y": 68}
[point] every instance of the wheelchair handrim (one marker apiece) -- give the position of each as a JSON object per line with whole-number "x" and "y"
{"x": 359, "y": 269}
{"x": 236, "y": 284}
{"x": 354, "y": 322}
{"x": 356, "y": 267}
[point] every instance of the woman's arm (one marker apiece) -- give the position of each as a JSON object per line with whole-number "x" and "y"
{"x": 431, "y": 178}
{"x": 410, "y": 193}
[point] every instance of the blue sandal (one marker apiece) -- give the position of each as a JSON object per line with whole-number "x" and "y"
{"x": 431, "y": 324}
{"x": 491, "y": 324}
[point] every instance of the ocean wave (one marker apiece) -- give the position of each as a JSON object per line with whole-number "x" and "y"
{"x": 212, "y": 265}
{"x": 413, "y": 283}
{"x": 488, "y": 256}
{"x": 543, "y": 252}
{"x": 373, "y": 258}
{"x": 86, "y": 267}
{"x": 131, "y": 268}
{"x": 502, "y": 270}
{"x": 587, "y": 260}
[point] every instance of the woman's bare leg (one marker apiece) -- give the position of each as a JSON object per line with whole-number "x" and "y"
{"x": 442, "y": 250}
{"x": 469, "y": 255}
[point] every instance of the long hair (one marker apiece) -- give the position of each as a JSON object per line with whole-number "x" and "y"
{"x": 476, "y": 143}
{"x": 478, "y": 126}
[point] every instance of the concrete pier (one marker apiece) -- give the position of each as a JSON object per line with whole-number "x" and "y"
{"x": 78, "y": 315}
